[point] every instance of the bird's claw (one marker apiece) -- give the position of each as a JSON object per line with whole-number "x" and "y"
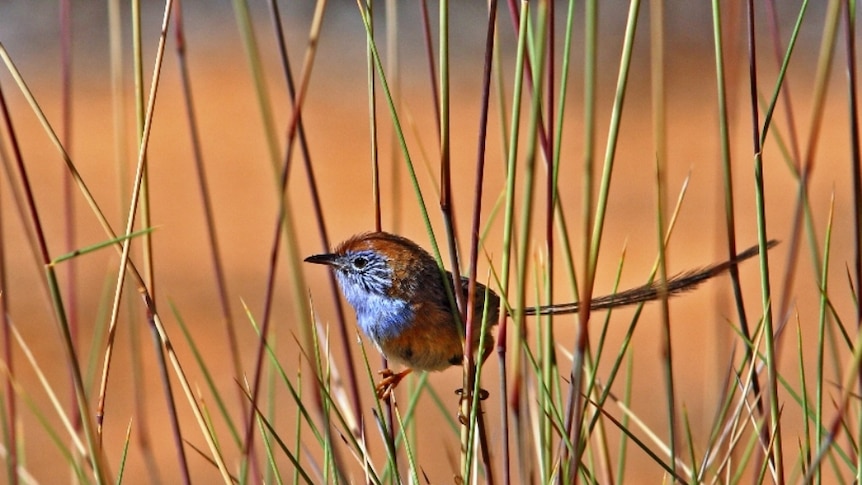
{"x": 482, "y": 394}
{"x": 389, "y": 382}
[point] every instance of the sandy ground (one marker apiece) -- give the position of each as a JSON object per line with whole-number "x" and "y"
{"x": 244, "y": 198}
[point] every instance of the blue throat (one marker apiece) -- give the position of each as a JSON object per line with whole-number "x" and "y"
{"x": 383, "y": 317}
{"x": 380, "y": 316}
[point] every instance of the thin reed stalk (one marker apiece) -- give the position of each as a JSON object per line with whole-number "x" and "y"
{"x": 154, "y": 318}
{"x": 659, "y": 127}
{"x": 70, "y": 286}
{"x": 776, "y": 455}
{"x": 94, "y": 450}
{"x": 10, "y": 403}
{"x": 145, "y": 121}
{"x": 325, "y": 240}
{"x": 206, "y": 200}
{"x": 507, "y": 252}
{"x": 849, "y": 22}
{"x": 284, "y": 222}
{"x": 574, "y": 411}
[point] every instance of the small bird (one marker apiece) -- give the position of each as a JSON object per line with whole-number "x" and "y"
{"x": 399, "y": 296}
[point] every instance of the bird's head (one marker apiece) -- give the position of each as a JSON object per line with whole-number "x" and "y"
{"x": 378, "y": 264}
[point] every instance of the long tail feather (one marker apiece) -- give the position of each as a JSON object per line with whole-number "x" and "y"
{"x": 677, "y": 284}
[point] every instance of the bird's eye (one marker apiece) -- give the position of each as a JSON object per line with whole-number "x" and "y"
{"x": 360, "y": 262}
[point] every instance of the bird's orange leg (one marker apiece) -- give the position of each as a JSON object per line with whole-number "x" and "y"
{"x": 389, "y": 382}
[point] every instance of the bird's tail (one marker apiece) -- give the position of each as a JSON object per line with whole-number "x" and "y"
{"x": 679, "y": 283}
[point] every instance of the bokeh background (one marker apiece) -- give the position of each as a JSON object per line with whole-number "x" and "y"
{"x": 243, "y": 186}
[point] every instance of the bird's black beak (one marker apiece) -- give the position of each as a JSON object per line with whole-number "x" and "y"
{"x": 327, "y": 259}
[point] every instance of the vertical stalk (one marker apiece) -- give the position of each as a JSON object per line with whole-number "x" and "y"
{"x": 206, "y": 203}
{"x": 374, "y": 157}
{"x": 469, "y": 361}
{"x": 70, "y": 280}
{"x": 508, "y": 223}
{"x": 729, "y": 210}
{"x": 526, "y": 214}
{"x": 10, "y": 436}
{"x": 393, "y": 62}
{"x": 856, "y": 171}
{"x": 547, "y": 350}
{"x": 346, "y": 339}
{"x": 659, "y": 130}
{"x": 766, "y": 301}
{"x": 285, "y": 223}
{"x": 96, "y": 457}
{"x": 574, "y": 411}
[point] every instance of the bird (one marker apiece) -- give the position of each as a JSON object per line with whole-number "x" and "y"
{"x": 398, "y": 293}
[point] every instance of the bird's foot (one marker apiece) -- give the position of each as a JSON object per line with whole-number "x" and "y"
{"x": 483, "y": 394}
{"x": 389, "y": 382}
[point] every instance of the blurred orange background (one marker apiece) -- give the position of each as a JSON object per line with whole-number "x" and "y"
{"x": 336, "y": 119}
